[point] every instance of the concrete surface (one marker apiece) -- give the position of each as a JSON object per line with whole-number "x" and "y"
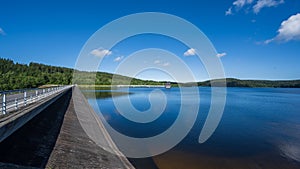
{"x": 54, "y": 138}
{"x": 74, "y": 149}
{"x": 17, "y": 119}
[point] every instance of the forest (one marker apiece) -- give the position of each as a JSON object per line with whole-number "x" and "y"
{"x": 231, "y": 82}
{"x": 20, "y": 76}
{"x": 32, "y": 75}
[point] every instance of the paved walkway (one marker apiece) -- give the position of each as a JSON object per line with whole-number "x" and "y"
{"x": 55, "y": 139}
{"x": 74, "y": 149}
{"x": 31, "y": 145}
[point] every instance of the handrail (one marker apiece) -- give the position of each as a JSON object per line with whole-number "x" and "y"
{"x": 10, "y": 102}
{"x": 17, "y": 90}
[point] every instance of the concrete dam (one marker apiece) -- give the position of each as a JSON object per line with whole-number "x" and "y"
{"x": 48, "y": 134}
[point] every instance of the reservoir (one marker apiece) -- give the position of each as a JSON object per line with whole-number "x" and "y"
{"x": 260, "y": 128}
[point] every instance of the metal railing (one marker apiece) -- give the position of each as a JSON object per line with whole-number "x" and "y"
{"x": 15, "y": 99}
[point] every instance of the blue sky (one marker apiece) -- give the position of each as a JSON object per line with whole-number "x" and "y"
{"x": 260, "y": 39}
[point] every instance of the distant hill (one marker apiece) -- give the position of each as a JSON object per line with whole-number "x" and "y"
{"x": 231, "y": 82}
{"x": 32, "y": 75}
{"x": 103, "y": 78}
{"x": 19, "y": 76}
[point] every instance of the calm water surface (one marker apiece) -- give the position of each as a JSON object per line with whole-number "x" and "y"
{"x": 260, "y": 128}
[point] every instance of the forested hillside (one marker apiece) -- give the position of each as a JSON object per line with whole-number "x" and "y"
{"x": 20, "y": 76}
{"x": 231, "y": 82}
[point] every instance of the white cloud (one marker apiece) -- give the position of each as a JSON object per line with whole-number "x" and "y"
{"x": 229, "y": 11}
{"x": 2, "y": 31}
{"x": 190, "y": 52}
{"x": 238, "y": 4}
{"x": 256, "y": 5}
{"x": 157, "y": 62}
{"x": 166, "y": 64}
{"x": 265, "y": 3}
{"x": 161, "y": 63}
{"x": 289, "y": 30}
{"x": 101, "y": 52}
{"x": 241, "y": 3}
{"x": 221, "y": 54}
{"x": 118, "y": 59}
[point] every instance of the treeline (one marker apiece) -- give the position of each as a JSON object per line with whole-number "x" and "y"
{"x": 231, "y": 82}
{"x": 19, "y": 76}
{"x": 103, "y": 78}
{"x": 32, "y": 75}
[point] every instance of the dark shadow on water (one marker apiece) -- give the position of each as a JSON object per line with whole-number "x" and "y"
{"x": 144, "y": 163}
{"x": 103, "y": 94}
{"x": 31, "y": 145}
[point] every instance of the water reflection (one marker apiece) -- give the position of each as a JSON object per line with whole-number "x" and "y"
{"x": 260, "y": 128}
{"x": 102, "y": 94}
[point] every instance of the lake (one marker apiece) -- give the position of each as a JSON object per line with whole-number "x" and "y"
{"x": 260, "y": 128}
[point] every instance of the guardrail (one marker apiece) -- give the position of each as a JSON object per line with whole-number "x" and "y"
{"x": 15, "y": 99}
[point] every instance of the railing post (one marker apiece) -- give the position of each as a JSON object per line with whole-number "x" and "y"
{"x": 25, "y": 100}
{"x": 30, "y": 101}
{"x": 16, "y": 103}
{"x": 4, "y": 104}
{"x": 36, "y": 94}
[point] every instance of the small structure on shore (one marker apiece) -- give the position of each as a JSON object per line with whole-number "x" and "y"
{"x": 168, "y": 85}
